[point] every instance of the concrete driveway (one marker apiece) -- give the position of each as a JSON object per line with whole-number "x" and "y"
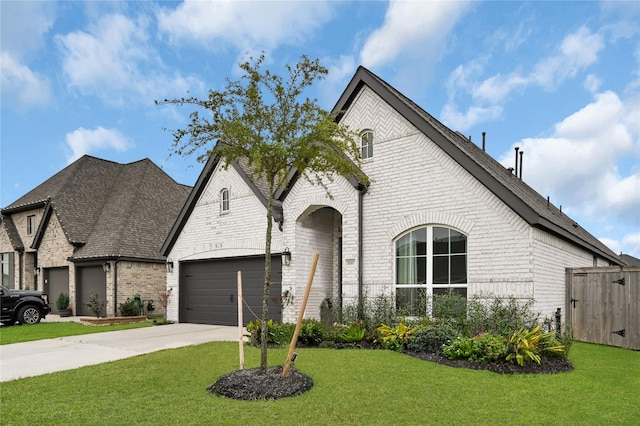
{"x": 29, "y": 359}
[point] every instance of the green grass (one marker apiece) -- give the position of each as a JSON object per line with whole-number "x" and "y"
{"x": 51, "y": 330}
{"x": 361, "y": 387}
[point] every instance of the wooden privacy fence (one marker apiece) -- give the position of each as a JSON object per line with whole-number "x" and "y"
{"x": 603, "y": 305}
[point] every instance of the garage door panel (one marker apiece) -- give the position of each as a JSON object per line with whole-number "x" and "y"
{"x": 209, "y": 294}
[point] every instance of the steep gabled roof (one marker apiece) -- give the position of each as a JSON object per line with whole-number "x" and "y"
{"x": 515, "y": 193}
{"x": 12, "y": 232}
{"x": 259, "y": 187}
{"x": 107, "y": 209}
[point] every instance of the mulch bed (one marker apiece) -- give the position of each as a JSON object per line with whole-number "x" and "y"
{"x": 546, "y": 366}
{"x": 252, "y": 384}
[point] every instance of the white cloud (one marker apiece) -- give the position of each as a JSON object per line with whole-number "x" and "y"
{"x": 578, "y": 166}
{"x": 340, "y": 71}
{"x": 23, "y": 26}
{"x": 576, "y": 52}
{"x": 473, "y": 116}
{"x": 115, "y": 61}
{"x": 631, "y": 244}
{"x": 21, "y": 87}
{"x": 84, "y": 141}
{"x": 592, "y": 83}
{"x": 245, "y": 25}
{"x": 408, "y": 26}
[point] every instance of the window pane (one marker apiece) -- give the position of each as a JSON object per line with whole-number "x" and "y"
{"x": 458, "y": 242}
{"x": 421, "y": 270}
{"x": 445, "y": 290}
{"x": 458, "y": 269}
{"x": 420, "y": 240}
{"x": 411, "y": 301}
{"x": 440, "y": 240}
{"x": 406, "y": 270}
{"x": 441, "y": 269}
{"x": 403, "y": 247}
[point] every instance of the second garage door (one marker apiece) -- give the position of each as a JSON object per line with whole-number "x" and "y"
{"x": 209, "y": 290}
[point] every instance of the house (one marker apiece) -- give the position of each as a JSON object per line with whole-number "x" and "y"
{"x": 439, "y": 214}
{"x": 95, "y": 227}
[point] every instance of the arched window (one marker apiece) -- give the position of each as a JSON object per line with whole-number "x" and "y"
{"x": 366, "y": 144}
{"x": 431, "y": 260}
{"x": 224, "y": 200}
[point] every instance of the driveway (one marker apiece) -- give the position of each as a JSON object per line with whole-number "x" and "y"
{"x": 29, "y": 359}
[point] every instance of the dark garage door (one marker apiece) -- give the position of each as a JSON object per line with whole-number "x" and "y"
{"x": 90, "y": 279}
{"x": 209, "y": 290}
{"x": 56, "y": 282}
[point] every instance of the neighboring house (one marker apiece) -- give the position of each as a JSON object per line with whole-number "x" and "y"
{"x": 630, "y": 260}
{"x": 95, "y": 227}
{"x": 439, "y": 214}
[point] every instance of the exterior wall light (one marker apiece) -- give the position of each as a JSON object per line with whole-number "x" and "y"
{"x": 106, "y": 266}
{"x": 169, "y": 265}
{"x": 286, "y": 257}
{"x": 36, "y": 270}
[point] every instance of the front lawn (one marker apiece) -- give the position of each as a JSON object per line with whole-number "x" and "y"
{"x": 352, "y": 386}
{"x": 52, "y": 330}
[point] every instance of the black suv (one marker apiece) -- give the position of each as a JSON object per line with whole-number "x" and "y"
{"x": 23, "y": 306}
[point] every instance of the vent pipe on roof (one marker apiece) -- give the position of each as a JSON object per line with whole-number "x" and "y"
{"x": 521, "y": 153}
{"x": 517, "y": 148}
{"x": 548, "y": 199}
{"x": 560, "y": 208}
{"x": 484, "y": 134}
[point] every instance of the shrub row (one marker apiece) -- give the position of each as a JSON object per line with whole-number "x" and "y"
{"x": 482, "y": 330}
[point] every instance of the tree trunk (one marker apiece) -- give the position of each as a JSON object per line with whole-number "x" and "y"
{"x": 267, "y": 281}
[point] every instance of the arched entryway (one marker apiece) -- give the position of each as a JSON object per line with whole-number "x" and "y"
{"x": 319, "y": 230}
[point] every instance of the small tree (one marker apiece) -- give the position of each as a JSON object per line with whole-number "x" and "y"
{"x": 261, "y": 119}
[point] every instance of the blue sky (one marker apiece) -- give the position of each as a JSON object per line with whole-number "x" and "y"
{"x": 559, "y": 80}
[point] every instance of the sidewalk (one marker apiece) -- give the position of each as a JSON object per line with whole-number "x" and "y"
{"x": 29, "y": 359}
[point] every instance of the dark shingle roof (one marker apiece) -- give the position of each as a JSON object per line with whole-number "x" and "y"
{"x": 519, "y": 196}
{"x": 109, "y": 209}
{"x": 12, "y": 232}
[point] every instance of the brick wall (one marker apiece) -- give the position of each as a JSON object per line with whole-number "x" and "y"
{"x": 138, "y": 278}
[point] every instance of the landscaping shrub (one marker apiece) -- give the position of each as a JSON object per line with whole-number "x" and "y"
{"x": 312, "y": 332}
{"x": 129, "y": 308}
{"x": 451, "y": 307}
{"x": 431, "y": 338}
{"x": 480, "y": 348}
{"x": 527, "y": 345}
{"x": 353, "y": 334}
{"x": 394, "y": 338}
{"x": 497, "y": 315}
{"x": 95, "y": 305}
{"x": 279, "y": 333}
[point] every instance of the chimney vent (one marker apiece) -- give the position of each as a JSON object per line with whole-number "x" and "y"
{"x": 521, "y": 153}
{"x": 517, "y": 148}
{"x": 484, "y": 134}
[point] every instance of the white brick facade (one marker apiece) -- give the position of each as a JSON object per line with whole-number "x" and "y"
{"x": 210, "y": 233}
{"x": 413, "y": 183}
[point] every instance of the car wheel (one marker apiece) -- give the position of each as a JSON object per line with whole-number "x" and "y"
{"x": 29, "y": 314}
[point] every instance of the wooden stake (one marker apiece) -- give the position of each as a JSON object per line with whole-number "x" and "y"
{"x": 294, "y": 339}
{"x": 240, "y": 322}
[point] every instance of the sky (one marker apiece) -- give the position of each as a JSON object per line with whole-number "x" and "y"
{"x": 559, "y": 80}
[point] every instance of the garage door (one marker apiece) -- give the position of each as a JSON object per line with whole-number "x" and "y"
{"x": 90, "y": 279}
{"x": 56, "y": 281}
{"x": 209, "y": 290}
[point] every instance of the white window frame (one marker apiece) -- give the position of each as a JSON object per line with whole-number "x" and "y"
{"x": 428, "y": 285}
{"x": 225, "y": 204}
{"x": 32, "y": 224}
{"x": 366, "y": 145}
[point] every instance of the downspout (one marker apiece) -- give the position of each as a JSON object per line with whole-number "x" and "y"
{"x": 363, "y": 190}
{"x": 20, "y": 272}
{"x": 115, "y": 287}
